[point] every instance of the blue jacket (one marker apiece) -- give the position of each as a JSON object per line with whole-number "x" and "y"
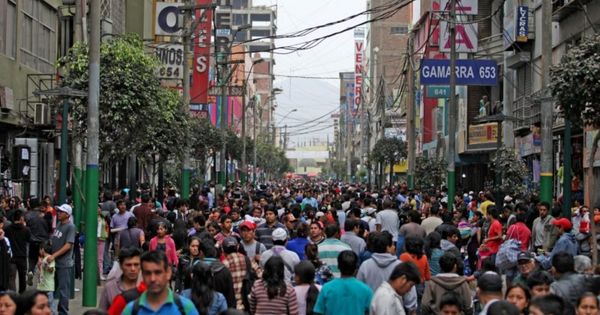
{"x": 566, "y": 243}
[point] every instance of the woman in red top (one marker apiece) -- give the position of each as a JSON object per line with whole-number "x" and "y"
{"x": 494, "y": 237}
{"x": 163, "y": 242}
{"x": 414, "y": 253}
{"x": 519, "y": 231}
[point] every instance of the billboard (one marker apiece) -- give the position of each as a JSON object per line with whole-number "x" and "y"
{"x": 358, "y": 70}
{"x": 466, "y": 37}
{"x": 201, "y": 60}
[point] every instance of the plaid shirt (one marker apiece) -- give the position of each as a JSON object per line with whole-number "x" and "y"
{"x": 236, "y": 263}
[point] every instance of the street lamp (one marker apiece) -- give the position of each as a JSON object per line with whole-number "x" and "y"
{"x": 244, "y": 165}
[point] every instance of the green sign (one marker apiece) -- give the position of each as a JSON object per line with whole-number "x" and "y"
{"x": 438, "y": 91}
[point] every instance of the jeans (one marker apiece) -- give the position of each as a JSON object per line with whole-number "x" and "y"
{"x": 34, "y": 253}
{"x": 63, "y": 288}
{"x": 100, "y": 253}
{"x": 18, "y": 265}
{"x": 51, "y": 302}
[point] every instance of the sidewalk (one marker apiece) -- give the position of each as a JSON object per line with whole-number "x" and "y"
{"x": 75, "y": 305}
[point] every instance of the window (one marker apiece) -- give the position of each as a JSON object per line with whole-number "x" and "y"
{"x": 8, "y": 28}
{"x": 399, "y": 30}
{"x": 38, "y": 29}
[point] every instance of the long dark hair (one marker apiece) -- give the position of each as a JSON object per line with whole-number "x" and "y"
{"x": 414, "y": 246}
{"x": 433, "y": 241}
{"x": 26, "y": 301}
{"x": 305, "y": 273}
{"x": 312, "y": 254}
{"x": 202, "y": 287}
{"x": 273, "y": 276}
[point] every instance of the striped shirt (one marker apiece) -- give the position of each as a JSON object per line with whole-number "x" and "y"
{"x": 329, "y": 250}
{"x": 260, "y": 304}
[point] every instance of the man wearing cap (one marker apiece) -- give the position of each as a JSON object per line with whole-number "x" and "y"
{"x": 526, "y": 266}
{"x": 252, "y": 247}
{"x": 489, "y": 290}
{"x": 62, "y": 240}
{"x": 290, "y": 258}
{"x": 566, "y": 242}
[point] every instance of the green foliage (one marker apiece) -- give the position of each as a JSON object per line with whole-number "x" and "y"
{"x": 137, "y": 115}
{"x": 270, "y": 158}
{"x": 512, "y": 169}
{"x": 430, "y": 173}
{"x": 575, "y": 82}
{"x": 389, "y": 151}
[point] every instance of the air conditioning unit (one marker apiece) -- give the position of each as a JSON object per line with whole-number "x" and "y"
{"x": 41, "y": 114}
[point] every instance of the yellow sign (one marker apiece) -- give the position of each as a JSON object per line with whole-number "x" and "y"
{"x": 400, "y": 167}
{"x": 483, "y": 134}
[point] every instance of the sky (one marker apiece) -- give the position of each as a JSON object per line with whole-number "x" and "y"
{"x": 332, "y": 56}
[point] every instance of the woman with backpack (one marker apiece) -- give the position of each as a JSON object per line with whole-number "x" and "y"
{"x": 203, "y": 295}
{"x": 186, "y": 262}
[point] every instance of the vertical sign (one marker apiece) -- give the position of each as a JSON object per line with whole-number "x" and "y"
{"x": 522, "y": 24}
{"x": 358, "y": 70}
{"x": 199, "y": 87}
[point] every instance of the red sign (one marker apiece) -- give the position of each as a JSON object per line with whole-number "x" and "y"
{"x": 201, "y": 61}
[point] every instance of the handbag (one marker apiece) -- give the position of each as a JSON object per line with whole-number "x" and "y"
{"x": 507, "y": 255}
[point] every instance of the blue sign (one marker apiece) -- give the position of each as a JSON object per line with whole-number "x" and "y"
{"x": 522, "y": 24}
{"x": 468, "y": 72}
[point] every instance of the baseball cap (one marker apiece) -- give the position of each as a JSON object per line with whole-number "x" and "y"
{"x": 319, "y": 214}
{"x": 247, "y": 224}
{"x": 508, "y": 198}
{"x": 525, "y": 256}
{"x": 65, "y": 208}
{"x": 230, "y": 241}
{"x": 490, "y": 282}
{"x": 279, "y": 234}
{"x": 563, "y": 223}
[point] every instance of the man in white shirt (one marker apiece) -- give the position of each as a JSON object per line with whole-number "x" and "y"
{"x": 387, "y": 220}
{"x": 433, "y": 221}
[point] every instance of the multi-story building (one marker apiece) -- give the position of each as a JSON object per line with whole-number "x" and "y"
{"x": 385, "y": 63}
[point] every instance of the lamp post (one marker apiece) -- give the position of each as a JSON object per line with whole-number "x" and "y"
{"x": 244, "y": 166}
{"x": 284, "y": 142}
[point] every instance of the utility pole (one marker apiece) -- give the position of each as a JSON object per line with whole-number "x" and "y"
{"x": 348, "y": 145}
{"x": 224, "y": 108}
{"x": 546, "y": 181}
{"x": 410, "y": 111}
{"x": 244, "y": 166}
{"x": 254, "y": 104}
{"x": 285, "y": 136}
{"x": 78, "y": 172}
{"x": 186, "y": 169}
{"x": 90, "y": 258}
{"x": 451, "y": 180}
{"x": 381, "y": 101}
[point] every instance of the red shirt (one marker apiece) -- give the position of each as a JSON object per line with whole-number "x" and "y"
{"x": 494, "y": 231}
{"x": 519, "y": 231}
{"x": 421, "y": 263}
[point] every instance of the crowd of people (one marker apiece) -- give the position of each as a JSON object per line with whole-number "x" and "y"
{"x": 306, "y": 247}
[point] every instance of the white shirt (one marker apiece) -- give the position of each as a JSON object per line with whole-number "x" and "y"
{"x": 386, "y": 301}
{"x": 389, "y": 221}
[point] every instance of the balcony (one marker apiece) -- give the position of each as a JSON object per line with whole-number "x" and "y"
{"x": 526, "y": 111}
{"x": 491, "y": 47}
{"x": 561, "y": 9}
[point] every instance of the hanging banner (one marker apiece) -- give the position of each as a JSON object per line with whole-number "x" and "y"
{"x": 358, "y": 70}
{"x": 201, "y": 60}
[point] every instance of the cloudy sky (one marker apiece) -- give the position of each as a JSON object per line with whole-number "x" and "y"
{"x": 312, "y": 99}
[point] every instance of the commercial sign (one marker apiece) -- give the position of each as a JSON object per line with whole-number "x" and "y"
{"x": 483, "y": 133}
{"x": 465, "y": 39}
{"x": 168, "y": 19}
{"x": 522, "y": 24}
{"x": 231, "y": 90}
{"x": 437, "y": 91}
{"x": 171, "y": 59}
{"x": 468, "y": 72}
{"x": 223, "y": 22}
{"x": 467, "y": 7}
{"x": 358, "y": 70}
{"x": 201, "y": 60}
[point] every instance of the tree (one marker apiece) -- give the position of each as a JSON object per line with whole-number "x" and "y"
{"x": 430, "y": 173}
{"x": 511, "y": 169}
{"x": 270, "y": 158}
{"x": 137, "y": 115}
{"x": 389, "y": 151}
{"x": 205, "y": 139}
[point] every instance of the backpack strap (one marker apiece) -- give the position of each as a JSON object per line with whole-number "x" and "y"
{"x": 257, "y": 248}
{"x": 136, "y": 305}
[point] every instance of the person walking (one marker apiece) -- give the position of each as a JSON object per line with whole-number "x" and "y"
{"x": 387, "y": 300}
{"x": 273, "y": 294}
{"x": 19, "y": 235}
{"x": 158, "y": 299}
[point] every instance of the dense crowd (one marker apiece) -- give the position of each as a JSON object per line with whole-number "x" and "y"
{"x": 298, "y": 247}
